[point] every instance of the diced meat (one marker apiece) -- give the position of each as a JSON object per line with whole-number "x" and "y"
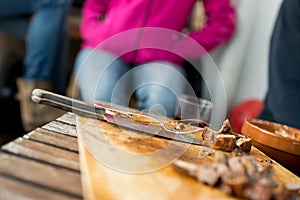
{"x": 226, "y": 128}
{"x": 251, "y": 167}
{"x": 224, "y": 142}
{"x": 244, "y": 144}
{"x": 203, "y": 173}
{"x": 289, "y": 191}
{"x": 207, "y": 174}
{"x": 222, "y": 169}
{"x": 185, "y": 167}
{"x": 208, "y": 135}
{"x": 224, "y": 139}
{"x": 260, "y": 190}
{"x": 236, "y": 165}
{"x": 238, "y": 183}
{"x": 293, "y": 187}
{"x": 240, "y": 176}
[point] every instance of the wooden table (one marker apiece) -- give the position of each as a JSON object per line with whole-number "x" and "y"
{"x": 43, "y": 164}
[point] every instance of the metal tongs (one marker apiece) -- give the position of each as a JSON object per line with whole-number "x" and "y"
{"x": 107, "y": 113}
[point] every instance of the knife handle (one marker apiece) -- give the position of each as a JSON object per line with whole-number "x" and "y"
{"x": 68, "y": 104}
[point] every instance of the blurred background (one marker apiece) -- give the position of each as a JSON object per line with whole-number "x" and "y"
{"x": 242, "y": 63}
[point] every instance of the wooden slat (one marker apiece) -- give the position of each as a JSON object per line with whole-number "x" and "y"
{"x": 44, "y": 153}
{"x": 68, "y": 118}
{"x": 53, "y": 138}
{"x": 62, "y": 128}
{"x": 11, "y": 189}
{"x": 60, "y": 179}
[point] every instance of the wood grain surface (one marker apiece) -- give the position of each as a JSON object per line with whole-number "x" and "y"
{"x": 106, "y": 178}
{"x": 43, "y": 164}
{"x": 52, "y": 163}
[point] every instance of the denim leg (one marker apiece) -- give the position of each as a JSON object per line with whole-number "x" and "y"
{"x": 157, "y": 85}
{"x": 60, "y": 69}
{"x": 45, "y": 36}
{"x": 45, "y": 40}
{"x": 13, "y": 8}
{"x": 98, "y": 73}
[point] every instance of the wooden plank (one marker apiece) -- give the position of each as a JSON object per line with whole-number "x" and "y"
{"x": 54, "y": 139}
{"x": 59, "y": 179}
{"x": 68, "y": 118}
{"x": 62, "y": 128}
{"x": 44, "y": 153}
{"x": 18, "y": 190}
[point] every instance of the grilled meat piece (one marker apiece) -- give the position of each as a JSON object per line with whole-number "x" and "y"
{"x": 208, "y": 136}
{"x": 244, "y": 144}
{"x": 288, "y": 191}
{"x": 240, "y": 176}
{"x": 224, "y": 142}
{"x": 260, "y": 190}
{"x": 226, "y": 128}
{"x": 225, "y": 139}
{"x": 187, "y": 168}
{"x": 208, "y": 175}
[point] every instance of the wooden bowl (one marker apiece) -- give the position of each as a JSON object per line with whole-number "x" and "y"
{"x": 280, "y": 142}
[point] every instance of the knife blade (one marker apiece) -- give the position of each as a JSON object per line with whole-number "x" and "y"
{"x": 114, "y": 116}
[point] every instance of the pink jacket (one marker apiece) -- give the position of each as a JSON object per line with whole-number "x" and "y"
{"x": 150, "y": 30}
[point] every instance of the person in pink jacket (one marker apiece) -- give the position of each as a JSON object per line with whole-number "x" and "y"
{"x": 139, "y": 47}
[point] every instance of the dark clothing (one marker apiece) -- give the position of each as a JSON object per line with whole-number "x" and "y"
{"x": 282, "y": 103}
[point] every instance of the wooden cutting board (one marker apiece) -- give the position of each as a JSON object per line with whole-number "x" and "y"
{"x": 132, "y": 165}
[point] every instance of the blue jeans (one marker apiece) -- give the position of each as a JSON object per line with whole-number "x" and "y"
{"x": 104, "y": 77}
{"x": 45, "y": 34}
